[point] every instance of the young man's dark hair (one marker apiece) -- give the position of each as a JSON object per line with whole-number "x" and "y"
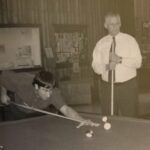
{"x": 44, "y": 79}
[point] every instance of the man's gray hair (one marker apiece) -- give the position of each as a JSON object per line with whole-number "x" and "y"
{"x": 112, "y": 14}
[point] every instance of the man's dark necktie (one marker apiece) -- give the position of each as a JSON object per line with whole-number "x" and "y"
{"x": 112, "y": 50}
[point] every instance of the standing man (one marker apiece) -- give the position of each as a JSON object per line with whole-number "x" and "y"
{"x": 124, "y": 60}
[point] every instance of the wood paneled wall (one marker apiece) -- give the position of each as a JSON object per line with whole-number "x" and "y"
{"x": 49, "y": 12}
{"x": 142, "y": 14}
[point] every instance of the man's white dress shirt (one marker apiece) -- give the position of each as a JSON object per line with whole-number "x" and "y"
{"x": 127, "y": 48}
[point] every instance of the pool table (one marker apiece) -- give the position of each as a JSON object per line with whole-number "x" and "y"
{"x": 52, "y": 133}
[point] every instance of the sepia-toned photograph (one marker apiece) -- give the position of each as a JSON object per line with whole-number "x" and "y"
{"x": 74, "y": 74}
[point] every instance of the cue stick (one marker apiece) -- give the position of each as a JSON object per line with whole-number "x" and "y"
{"x": 44, "y": 112}
{"x": 112, "y": 92}
{"x": 53, "y": 114}
{"x": 112, "y": 79}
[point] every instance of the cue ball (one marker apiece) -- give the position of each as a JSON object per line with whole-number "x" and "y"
{"x": 107, "y": 126}
{"x": 89, "y": 133}
{"x": 104, "y": 118}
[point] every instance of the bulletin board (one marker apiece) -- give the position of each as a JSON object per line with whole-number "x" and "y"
{"x": 20, "y": 47}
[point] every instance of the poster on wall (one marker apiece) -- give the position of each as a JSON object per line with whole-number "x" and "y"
{"x": 20, "y": 47}
{"x": 71, "y": 51}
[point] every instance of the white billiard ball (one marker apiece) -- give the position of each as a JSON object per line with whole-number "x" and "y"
{"x": 104, "y": 118}
{"x": 107, "y": 126}
{"x": 89, "y": 133}
{"x": 1, "y": 147}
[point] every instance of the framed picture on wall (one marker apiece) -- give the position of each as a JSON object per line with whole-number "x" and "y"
{"x": 71, "y": 49}
{"x": 20, "y": 47}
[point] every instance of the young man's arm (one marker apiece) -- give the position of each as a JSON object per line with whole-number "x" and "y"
{"x": 71, "y": 113}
